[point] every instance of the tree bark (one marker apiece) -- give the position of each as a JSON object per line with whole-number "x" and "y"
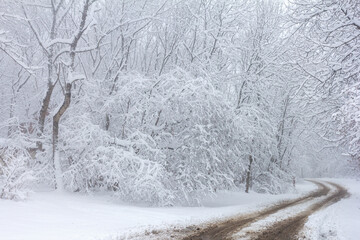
{"x": 248, "y": 175}
{"x": 56, "y": 120}
{"x": 67, "y": 99}
{"x": 44, "y": 112}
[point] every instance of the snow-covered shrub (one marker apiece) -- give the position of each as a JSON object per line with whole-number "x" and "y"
{"x": 190, "y": 122}
{"x": 257, "y": 136}
{"x": 133, "y": 178}
{"x": 92, "y": 161}
{"x": 348, "y": 118}
{"x": 168, "y": 140}
{"x": 275, "y": 182}
{"x": 16, "y": 174}
{"x": 196, "y": 135}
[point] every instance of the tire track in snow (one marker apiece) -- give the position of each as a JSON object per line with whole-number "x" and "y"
{"x": 285, "y": 229}
{"x": 288, "y": 229}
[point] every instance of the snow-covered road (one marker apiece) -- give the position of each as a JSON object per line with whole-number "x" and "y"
{"x": 340, "y": 221}
{"x": 287, "y": 223}
{"x": 53, "y": 216}
{"x": 282, "y": 221}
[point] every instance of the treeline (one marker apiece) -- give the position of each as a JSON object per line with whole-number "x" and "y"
{"x": 164, "y": 102}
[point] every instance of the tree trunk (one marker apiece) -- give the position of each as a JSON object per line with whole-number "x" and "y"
{"x": 107, "y": 121}
{"x": 248, "y": 175}
{"x": 67, "y": 99}
{"x": 43, "y": 113}
{"x": 56, "y": 120}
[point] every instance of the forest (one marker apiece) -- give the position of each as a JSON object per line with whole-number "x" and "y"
{"x": 164, "y": 102}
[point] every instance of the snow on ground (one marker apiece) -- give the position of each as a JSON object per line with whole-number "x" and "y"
{"x": 340, "y": 221}
{"x": 74, "y": 216}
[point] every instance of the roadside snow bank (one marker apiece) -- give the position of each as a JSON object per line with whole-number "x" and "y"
{"x": 340, "y": 221}
{"x": 70, "y": 216}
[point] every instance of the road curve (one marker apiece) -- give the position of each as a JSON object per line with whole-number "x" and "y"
{"x": 289, "y": 229}
{"x": 285, "y": 229}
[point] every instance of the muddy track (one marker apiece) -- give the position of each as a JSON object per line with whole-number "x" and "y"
{"x": 287, "y": 229}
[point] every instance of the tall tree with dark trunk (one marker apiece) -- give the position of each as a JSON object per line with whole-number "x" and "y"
{"x": 48, "y": 48}
{"x": 67, "y": 90}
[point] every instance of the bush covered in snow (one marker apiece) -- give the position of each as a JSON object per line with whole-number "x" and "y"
{"x": 129, "y": 168}
{"x": 348, "y": 117}
{"x": 16, "y": 175}
{"x": 163, "y": 154}
{"x": 188, "y": 146}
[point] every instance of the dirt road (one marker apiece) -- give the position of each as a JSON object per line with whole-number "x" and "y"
{"x": 288, "y": 228}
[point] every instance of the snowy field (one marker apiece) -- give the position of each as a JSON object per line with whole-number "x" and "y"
{"x": 71, "y": 216}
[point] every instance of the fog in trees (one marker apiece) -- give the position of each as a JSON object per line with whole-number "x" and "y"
{"x": 165, "y": 102}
